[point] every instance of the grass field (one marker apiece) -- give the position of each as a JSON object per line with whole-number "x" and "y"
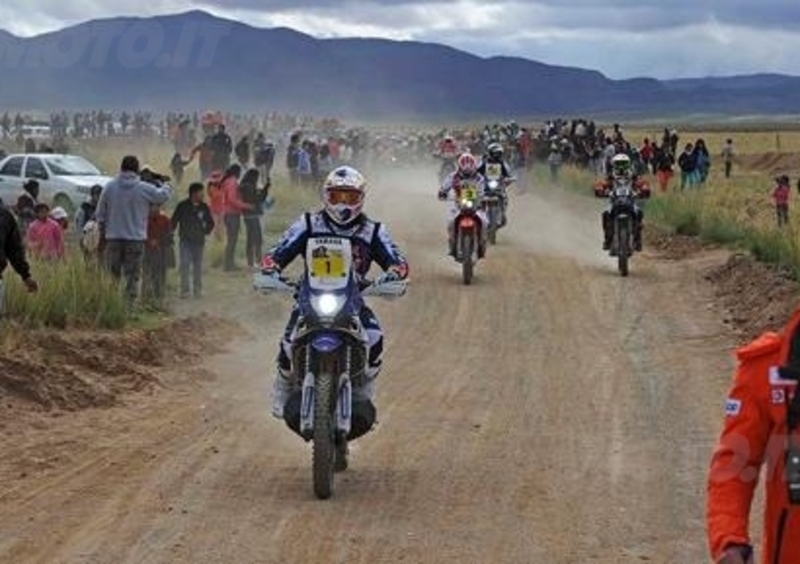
{"x": 737, "y": 211}
{"x": 73, "y": 296}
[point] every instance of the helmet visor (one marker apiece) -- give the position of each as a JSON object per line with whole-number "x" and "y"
{"x": 346, "y": 196}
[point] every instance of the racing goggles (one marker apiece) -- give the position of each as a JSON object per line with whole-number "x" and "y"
{"x": 346, "y": 196}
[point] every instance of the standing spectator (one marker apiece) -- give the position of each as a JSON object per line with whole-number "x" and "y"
{"x": 727, "y": 157}
{"x": 205, "y": 160}
{"x": 232, "y": 214}
{"x": 646, "y": 153}
{"x": 554, "y": 160}
{"x": 12, "y": 251}
{"x": 292, "y": 158}
{"x": 263, "y": 155}
{"x": 26, "y": 204}
{"x": 122, "y": 215}
{"x": 242, "y": 151}
{"x": 157, "y": 251}
{"x": 216, "y": 203}
{"x": 254, "y": 196}
{"x": 702, "y": 161}
{"x": 664, "y": 164}
{"x": 673, "y": 141}
{"x": 780, "y": 195}
{"x": 177, "y": 166}
{"x": 87, "y": 227}
{"x": 686, "y": 162}
{"x": 222, "y": 146}
{"x": 45, "y": 237}
{"x": 88, "y": 209}
{"x": 304, "y": 170}
{"x": 193, "y": 220}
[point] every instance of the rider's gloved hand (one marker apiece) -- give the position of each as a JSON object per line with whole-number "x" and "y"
{"x": 442, "y": 195}
{"x": 737, "y": 554}
{"x": 269, "y": 266}
{"x": 395, "y": 272}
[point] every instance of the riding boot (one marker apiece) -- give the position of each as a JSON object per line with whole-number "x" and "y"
{"x": 637, "y": 237}
{"x": 608, "y": 233}
{"x": 281, "y": 390}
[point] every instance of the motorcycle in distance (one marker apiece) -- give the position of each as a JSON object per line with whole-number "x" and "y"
{"x": 329, "y": 350}
{"x": 495, "y": 189}
{"x": 468, "y": 227}
{"x": 623, "y": 198}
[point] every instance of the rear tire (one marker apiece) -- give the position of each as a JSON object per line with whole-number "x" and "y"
{"x": 624, "y": 247}
{"x": 324, "y": 449}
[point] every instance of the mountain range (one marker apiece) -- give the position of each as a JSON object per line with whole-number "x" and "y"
{"x": 194, "y": 60}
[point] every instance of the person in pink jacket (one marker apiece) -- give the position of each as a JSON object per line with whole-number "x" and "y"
{"x": 780, "y": 195}
{"x": 233, "y": 206}
{"x": 45, "y": 237}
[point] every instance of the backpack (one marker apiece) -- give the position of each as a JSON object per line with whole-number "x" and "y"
{"x": 90, "y": 239}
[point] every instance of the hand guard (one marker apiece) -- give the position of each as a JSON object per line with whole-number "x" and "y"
{"x": 393, "y": 274}
{"x": 269, "y": 266}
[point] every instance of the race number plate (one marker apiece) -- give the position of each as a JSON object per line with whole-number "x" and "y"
{"x": 494, "y": 171}
{"x": 469, "y": 192}
{"x": 329, "y": 260}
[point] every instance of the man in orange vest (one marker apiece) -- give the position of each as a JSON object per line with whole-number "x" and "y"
{"x": 762, "y": 420}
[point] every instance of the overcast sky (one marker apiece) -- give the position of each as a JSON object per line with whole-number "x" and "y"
{"x": 621, "y": 38}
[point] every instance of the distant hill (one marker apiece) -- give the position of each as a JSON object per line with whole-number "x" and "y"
{"x": 101, "y": 63}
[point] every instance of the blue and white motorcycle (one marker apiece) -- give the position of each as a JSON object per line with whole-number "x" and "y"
{"x": 329, "y": 347}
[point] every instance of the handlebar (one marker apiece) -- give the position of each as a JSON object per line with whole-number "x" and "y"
{"x": 384, "y": 286}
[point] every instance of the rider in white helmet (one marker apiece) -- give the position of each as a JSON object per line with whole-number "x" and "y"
{"x": 621, "y": 170}
{"x": 342, "y": 215}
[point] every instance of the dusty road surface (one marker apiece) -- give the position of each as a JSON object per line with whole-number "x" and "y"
{"x": 552, "y": 412}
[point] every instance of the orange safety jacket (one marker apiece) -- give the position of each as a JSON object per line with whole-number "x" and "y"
{"x": 754, "y": 441}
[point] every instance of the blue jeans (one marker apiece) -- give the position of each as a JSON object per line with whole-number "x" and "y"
{"x": 191, "y": 257}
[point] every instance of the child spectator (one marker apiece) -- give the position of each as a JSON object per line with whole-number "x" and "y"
{"x": 193, "y": 220}
{"x": 26, "y": 204}
{"x": 780, "y": 194}
{"x": 60, "y": 216}
{"x": 45, "y": 237}
{"x": 157, "y": 253}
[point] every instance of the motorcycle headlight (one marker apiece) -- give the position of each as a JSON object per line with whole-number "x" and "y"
{"x": 493, "y": 185}
{"x": 467, "y": 203}
{"x": 327, "y": 305}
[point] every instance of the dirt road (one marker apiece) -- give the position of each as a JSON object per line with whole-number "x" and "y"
{"x": 553, "y": 412}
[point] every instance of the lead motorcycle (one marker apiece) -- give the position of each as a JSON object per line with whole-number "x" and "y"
{"x": 329, "y": 349}
{"x": 468, "y": 228}
{"x": 623, "y": 199}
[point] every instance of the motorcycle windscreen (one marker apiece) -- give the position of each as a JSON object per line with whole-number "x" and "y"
{"x": 329, "y": 261}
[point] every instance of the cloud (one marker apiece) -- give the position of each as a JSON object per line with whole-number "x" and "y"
{"x": 621, "y": 38}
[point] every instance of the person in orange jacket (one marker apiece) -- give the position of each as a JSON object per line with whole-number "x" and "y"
{"x": 762, "y": 429}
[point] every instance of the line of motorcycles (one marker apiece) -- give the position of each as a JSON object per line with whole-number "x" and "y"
{"x": 471, "y": 231}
